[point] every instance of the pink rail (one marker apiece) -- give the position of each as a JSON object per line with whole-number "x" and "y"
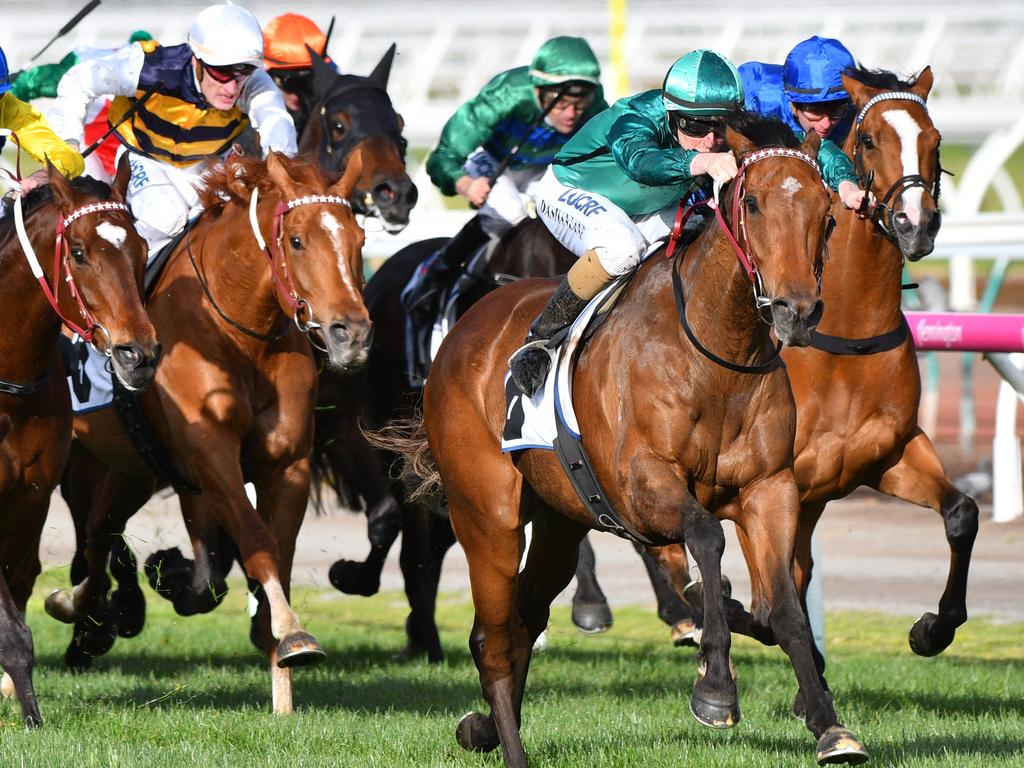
{"x": 967, "y": 332}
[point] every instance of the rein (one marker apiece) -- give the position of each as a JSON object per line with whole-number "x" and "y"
{"x": 744, "y": 255}
{"x": 883, "y": 208}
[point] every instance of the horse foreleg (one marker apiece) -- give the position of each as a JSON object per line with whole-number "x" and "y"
{"x": 17, "y": 657}
{"x": 768, "y": 518}
{"x": 916, "y": 475}
{"x": 426, "y": 539}
{"x": 383, "y": 524}
{"x": 669, "y": 572}
{"x": 590, "y": 611}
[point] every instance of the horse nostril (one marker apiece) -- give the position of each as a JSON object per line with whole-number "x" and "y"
{"x": 902, "y": 222}
{"x": 127, "y": 355}
{"x": 934, "y": 223}
{"x": 384, "y": 193}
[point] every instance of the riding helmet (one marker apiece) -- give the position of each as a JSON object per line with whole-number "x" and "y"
{"x": 813, "y": 71}
{"x": 703, "y": 82}
{"x": 285, "y": 38}
{"x": 564, "y": 59}
{"x": 4, "y": 73}
{"x": 223, "y": 35}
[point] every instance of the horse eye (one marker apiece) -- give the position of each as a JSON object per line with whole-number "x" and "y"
{"x": 296, "y": 242}
{"x": 78, "y": 254}
{"x": 867, "y": 141}
{"x": 751, "y": 203}
{"x": 340, "y": 128}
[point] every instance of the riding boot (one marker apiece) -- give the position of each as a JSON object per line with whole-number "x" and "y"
{"x": 421, "y": 300}
{"x": 530, "y": 363}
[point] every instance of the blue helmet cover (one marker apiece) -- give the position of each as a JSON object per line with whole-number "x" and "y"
{"x": 813, "y": 70}
{"x": 4, "y": 85}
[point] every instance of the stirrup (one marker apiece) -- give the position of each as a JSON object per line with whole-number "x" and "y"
{"x": 534, "y": 379}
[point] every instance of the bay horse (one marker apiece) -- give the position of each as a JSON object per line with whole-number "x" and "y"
{"x": 858, "y": 386}
{"x": 232, "y": 403}
{"x": 93, "y": 284}
{"x": 355, "y": 111}
{"x": 688, "y": 419}
{"x": 360, "y": 474}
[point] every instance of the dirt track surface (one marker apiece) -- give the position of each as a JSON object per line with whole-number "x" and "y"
{"x": 876, "y": 554}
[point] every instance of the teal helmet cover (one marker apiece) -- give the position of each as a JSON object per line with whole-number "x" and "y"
{"x": 703, "y": 83}
{"x": 565, "y": 59}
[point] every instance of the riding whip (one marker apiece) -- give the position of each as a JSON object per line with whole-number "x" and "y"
{"x": 130, "y": 112}
{"x": 89, "y": 8}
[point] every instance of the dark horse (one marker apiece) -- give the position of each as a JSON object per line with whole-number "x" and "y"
{"x": 95, "y": 281}
{"x": 358, "y": 473}
{"x": 858, "y": 387}
{"x": 688, "y": 418}
{"x": 233, "y": 402}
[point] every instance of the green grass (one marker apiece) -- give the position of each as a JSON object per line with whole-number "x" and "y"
{"x": 193, "y": 692}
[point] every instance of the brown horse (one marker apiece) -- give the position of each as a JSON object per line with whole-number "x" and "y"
{"x": 686, "y": 420}
{"x": 95, "y": 279}
{"x": 233, "y": 402}
{"x": 858, "y": 386}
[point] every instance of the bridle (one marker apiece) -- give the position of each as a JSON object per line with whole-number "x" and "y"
{"x": 883, "y": 207}
{"x": 744, "y": 253}
{"x": 281, "y": 275}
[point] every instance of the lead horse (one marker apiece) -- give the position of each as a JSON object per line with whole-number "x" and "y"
{"x": 93, "y": 284}
{"x": 688, "y": 418}
{"x": 233, "y": 402}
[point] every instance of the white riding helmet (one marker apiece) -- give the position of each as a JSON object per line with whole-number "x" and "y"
{"x": 226, "y": 34}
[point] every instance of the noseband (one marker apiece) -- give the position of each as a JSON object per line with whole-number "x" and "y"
{"x": 284, "y": 285}
{"x": 883, "y": 208}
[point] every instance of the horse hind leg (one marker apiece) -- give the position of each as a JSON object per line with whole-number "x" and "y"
{"x": 590, "y": 611}
{"x": 917, "y": 476}
{"x": 383, "y": 524}
{"x": 669, "y": 572}
{"x": 127, "y": 603}
{"x": 426, "y": 539}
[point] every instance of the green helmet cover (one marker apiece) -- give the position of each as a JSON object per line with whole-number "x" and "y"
{"x": 139, "y": 36}
{"x": 564, "y": 59}
{"x": 703, "y": 82}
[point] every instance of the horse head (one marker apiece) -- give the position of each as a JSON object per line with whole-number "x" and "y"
{"x": 318, "y": 256}
{"x": 780, "y": 211}
{"x": 895, "y": 148}
{"x": 98, "y": 270}
{"x": 356, "y": 111}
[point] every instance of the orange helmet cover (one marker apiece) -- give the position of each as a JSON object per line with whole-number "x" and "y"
{"x": 285, "y": 38}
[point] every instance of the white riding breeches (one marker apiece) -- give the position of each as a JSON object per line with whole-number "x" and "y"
{"x": 510, "y": 194}
{"x": 163, "y": 198}
{"x": 583, "y": 221}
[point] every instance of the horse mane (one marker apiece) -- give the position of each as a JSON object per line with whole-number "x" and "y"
{"x": 880, "y": 78}
{"x": 219, "y": 187}
{"x": 764, "y": 131}
{"x": 43, "y": 194}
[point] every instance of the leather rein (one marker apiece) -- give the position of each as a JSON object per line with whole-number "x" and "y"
{"x": 744, "y": 254}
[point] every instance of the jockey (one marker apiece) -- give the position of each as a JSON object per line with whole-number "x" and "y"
{"x": 522, "y": 117}
{"x": 807, "y": 94}
{"x": 34, "y": 135}
{"x": 288, "y": 63}
{"x": 204, "y": 93}
{"x": 42, "y": 81}
{"x": 613, "y": 190}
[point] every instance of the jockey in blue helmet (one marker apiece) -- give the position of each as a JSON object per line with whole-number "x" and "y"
{"x": 807, "y": 93}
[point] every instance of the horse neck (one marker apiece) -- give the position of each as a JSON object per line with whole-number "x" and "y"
{"x": 238, "y": 272}
{"x": 720, "y": 301}
{"x": 861, "y": 281}
{"x": 28, "y": 347}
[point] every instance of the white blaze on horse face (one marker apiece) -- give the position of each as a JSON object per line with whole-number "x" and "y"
{"x": 907, "y": 129}
{"x": 112, "y": 233}
{"x": 333, "y": 228}
{"x": 791, "y": 186}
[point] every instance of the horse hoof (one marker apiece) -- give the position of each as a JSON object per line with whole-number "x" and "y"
{"x": 61, "y": 605}
{"x": 838, "y": 745}
{"x": 76, "y": 659}
{"x": 128, "y": 609}
{"x": 714, "y": 711}
{"x": 930, "y": 636}
{"x": 592, "y": 618}
{"x": 354, "y": 578}
{"x": 683, "y": 633}
{"x": 477, "y": 733}
{"x": 299, "y": 649}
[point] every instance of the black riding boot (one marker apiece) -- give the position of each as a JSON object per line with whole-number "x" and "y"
{"x": 529, "y": 365}
{"x": 421, "y": 301}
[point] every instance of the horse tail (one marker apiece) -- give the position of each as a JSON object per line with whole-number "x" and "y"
{"x": 408, "y": 439}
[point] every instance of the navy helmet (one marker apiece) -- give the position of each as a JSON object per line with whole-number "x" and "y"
{"x": 813, "y": 69}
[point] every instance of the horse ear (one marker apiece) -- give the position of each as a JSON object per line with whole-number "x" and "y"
{"x": 737, "y": 142}
{"x": 119, "y": 189}
{"x": 812, "y": 142}
{"x": 382, "y": 71}
{"x": 859, "y": 93}
{"x": 61, "y": 188}
{"x": 923, "y": 84}
{"x": 353, "y": 170}
{"x": 279, "y": 175}
{"x": 324, "y": 74}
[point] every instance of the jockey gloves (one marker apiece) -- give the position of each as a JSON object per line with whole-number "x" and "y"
{"x": 703, "y": 83}
{"x": 285, "y": 38}
{"x": 564, "y": 59}
{"x": 813, "y": 71}
{"x": 225, "y": 35}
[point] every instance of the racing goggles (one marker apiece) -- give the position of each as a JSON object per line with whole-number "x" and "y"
{"x": 292, "y": 80}
{"x": 834, "y": 110}
{"x": 225, "y": 74}
{"x": 699, "y": 127}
